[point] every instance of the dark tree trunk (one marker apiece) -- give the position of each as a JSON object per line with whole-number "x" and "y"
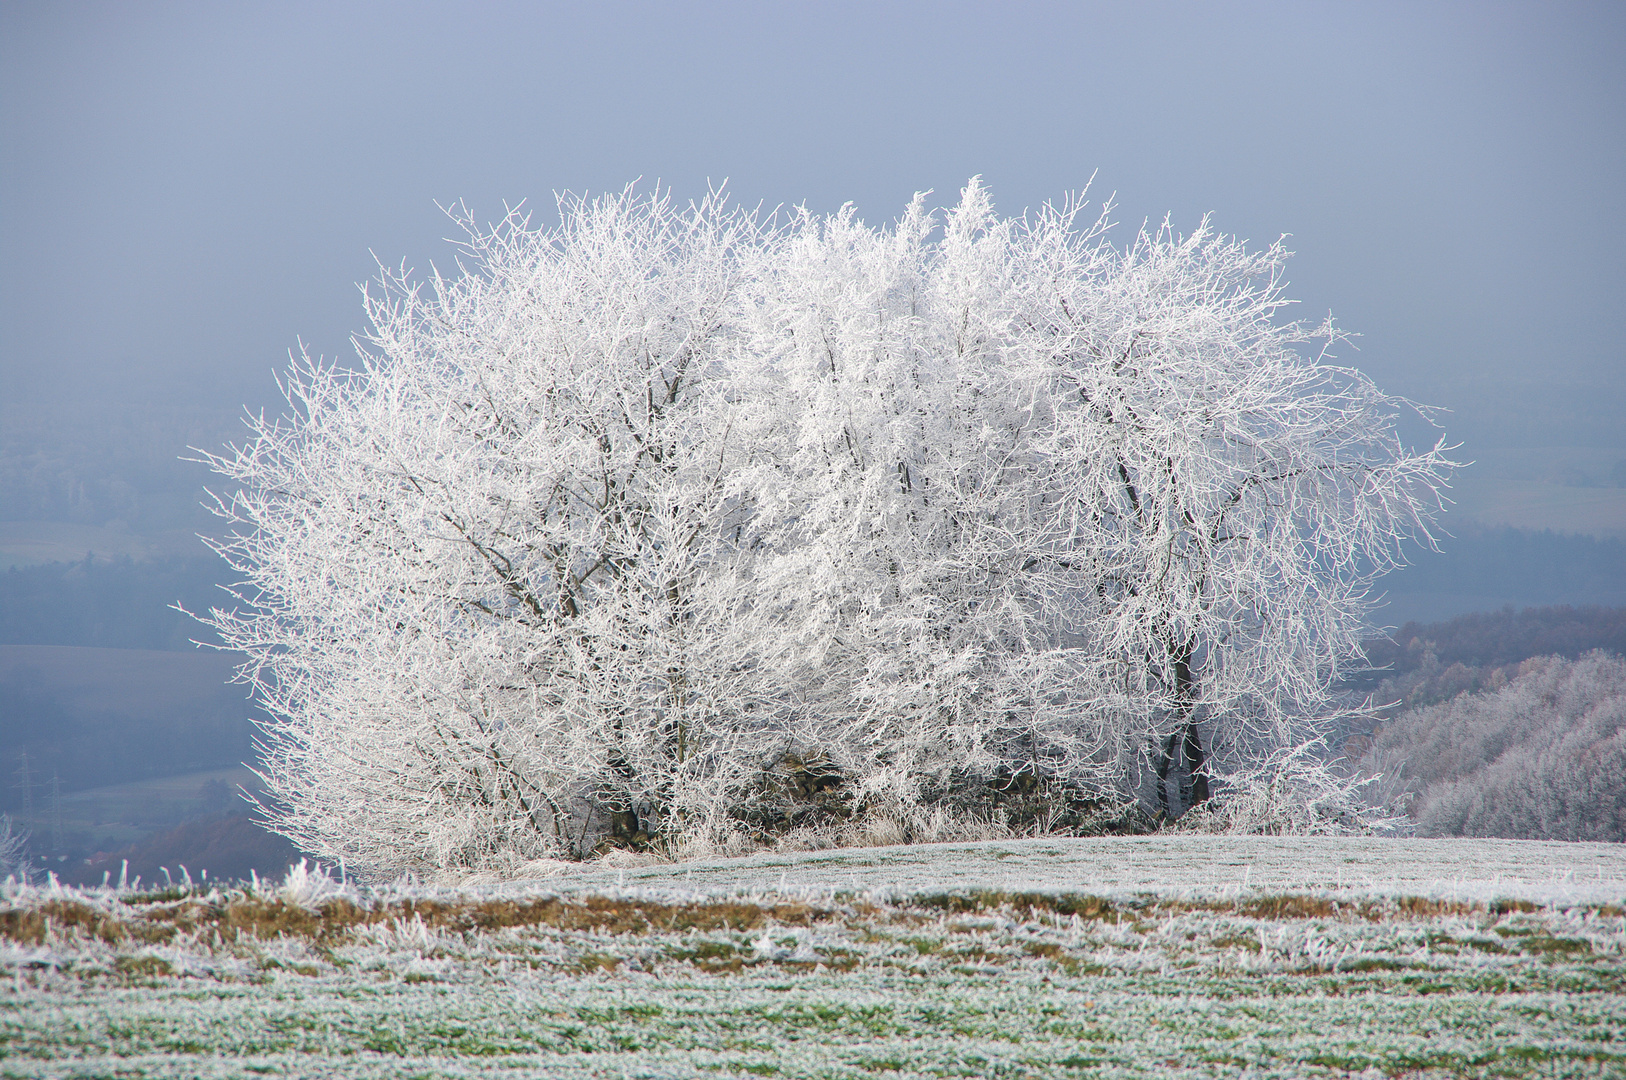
{"x": 624, "y": 823}
{"x": 623, "y": 817}
{"x": 1194, "y": 782}
{"x": 1197, "y": 763}
{"x": 1165, "y": 759}
{"x": 1183, "y": 752}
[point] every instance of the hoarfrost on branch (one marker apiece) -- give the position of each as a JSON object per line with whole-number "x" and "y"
{"x": 631, "y": 512}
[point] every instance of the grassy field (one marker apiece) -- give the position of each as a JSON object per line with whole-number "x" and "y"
{"x": 1146, "y": 957}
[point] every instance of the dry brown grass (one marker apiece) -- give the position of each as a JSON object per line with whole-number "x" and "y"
{"x": 1083, "y": 906}
{"x": 32, "y": 925}
{"x": 334, "y": 921}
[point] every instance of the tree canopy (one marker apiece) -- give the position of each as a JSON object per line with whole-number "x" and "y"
{"x": 681, "y": 526}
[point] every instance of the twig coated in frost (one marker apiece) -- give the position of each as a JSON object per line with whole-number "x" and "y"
{"x": 683, "y": 531}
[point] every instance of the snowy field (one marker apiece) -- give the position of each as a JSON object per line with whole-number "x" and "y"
{"x": 1146, "y": 957}
{"x": 1172, "y": 867}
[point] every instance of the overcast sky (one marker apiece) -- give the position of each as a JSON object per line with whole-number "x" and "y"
{"x": 188, "y": 189}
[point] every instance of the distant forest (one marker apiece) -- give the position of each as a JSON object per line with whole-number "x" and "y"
{"x": 1535, "y": 750}
{"x": 1507, "y": 723}
{"x": 1425, "y": 664}
{"x": 1502, "y": 637}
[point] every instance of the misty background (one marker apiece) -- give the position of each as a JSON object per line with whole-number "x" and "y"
{"x": 188, "y": 191}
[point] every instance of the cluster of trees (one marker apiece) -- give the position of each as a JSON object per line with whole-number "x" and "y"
{"x": 1426, "y": 664}
{"x": 1538, "y": 757}
{"x": 665, "y": 524}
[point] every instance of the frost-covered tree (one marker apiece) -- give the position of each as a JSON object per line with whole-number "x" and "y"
{"x": 630, "y": 512}
{"x": 1222, "y": 500}
{"x": 491, "y": 573}
{"x": 1539, "y": 757}
{"x": 1071, "y": 510}
{"x": 896, "y": 488}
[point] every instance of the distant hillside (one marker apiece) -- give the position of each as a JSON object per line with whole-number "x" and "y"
{"x": 1429, "y": 663}
{"x": 92, "y": 717}
{"x": 1502, "y": 637}
{"x": 1537, "y": 752}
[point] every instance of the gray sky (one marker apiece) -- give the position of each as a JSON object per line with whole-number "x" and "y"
{"x": 185, "y": 189}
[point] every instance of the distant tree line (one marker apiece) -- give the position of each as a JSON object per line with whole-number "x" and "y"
{"x": 1424, "y": 664}
{"x": 1504, "y": 637}
{"x": 1539, "y": 755}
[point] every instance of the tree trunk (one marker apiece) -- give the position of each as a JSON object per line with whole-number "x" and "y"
{"x": 1195, "y": 788}
{"x": 1191, "y": 769}
{"x": 623, "y": 816}
{"x": 1197, "y": 763}
{"x": 624, "y": 823}
{"x": 1165, "y": 758}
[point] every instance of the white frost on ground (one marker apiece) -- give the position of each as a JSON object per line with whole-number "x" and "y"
{"x": 1239, "y": 957}
{"x": 1194, "y": 866}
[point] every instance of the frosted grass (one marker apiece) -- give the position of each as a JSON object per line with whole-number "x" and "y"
{"x": 1261, "y": 958}
{"x": 1178, "y": 866}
